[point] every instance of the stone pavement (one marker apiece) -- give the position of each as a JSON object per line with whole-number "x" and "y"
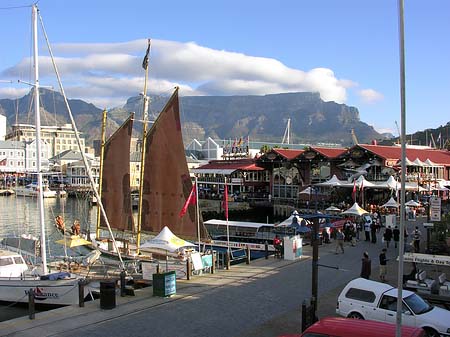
{"x": 260, "y": 299}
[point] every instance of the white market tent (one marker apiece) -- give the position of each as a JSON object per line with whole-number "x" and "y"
{"x": 412, "y": 203}
{"x": 167, "y": 241}
{"x": 355, "y": 210}
{"x": 333, "y": 181}
{"x": 333, "y": 209}
{"x": 391, "y": 203}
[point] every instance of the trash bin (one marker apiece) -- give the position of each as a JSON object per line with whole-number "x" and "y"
{"x": 107, "y": 294}
{"x": 165, "y": 284}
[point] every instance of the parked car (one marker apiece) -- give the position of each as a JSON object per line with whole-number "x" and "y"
{"x": 344, "y": 327}
{"x": 366, "y": 299}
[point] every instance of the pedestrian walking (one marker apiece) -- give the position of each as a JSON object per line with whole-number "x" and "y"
{"x": 373, "y": 231}
{"x": 387, "y": 236}
{"x": 416, "y": 239}
{"x": 383, "y": 265}
{"x": 339, "y": 241}
{"x": 367, "y": 230}
{"x": 396, "y": 235}
{"x": 366, "y": 266}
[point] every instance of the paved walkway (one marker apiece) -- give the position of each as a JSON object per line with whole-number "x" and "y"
{"x": 260, "y": 299}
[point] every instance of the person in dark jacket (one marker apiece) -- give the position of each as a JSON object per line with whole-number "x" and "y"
{"x": 383, "y": 265}
{"x": 366, "y": 266}
{"x": 396, "y": 235}
{"x": 387, "y": 236}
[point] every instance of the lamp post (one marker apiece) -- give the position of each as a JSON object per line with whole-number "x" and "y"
{"x": 315, "y": 257}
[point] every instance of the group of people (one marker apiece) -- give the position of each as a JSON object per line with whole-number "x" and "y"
{"x": 60, "y": 225}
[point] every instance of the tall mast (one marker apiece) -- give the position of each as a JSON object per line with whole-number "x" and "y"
{"x": 143, "y": 147}
{"x": 38, "y": 140}
{"x": 100, "y": 177}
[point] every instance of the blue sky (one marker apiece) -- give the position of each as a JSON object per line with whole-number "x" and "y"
{"x": 347, "y": 50}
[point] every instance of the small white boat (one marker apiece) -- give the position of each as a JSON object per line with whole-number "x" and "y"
{"x": 32, "y": 190}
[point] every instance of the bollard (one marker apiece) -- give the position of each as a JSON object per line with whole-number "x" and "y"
{"x": 188, "y": 269}
{"x": 122, "y": 283}
{"x": 247, "y": 250}
{"x": 213, "y": 267}
{"x": 227, "y": 261}
{"x": 31, "y": 307}
{"x": 81, "y": 284}
{"x": 157, "y": 268}
{"x": 266, "y": 249}
{"x": 303, "y": 316}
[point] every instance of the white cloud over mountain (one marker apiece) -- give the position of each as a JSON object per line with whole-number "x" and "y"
{"x": 106, "y": 74}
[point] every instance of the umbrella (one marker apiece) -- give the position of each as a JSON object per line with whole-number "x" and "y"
{"x": 355, "y": 210}
{"x": 73, "y": 241}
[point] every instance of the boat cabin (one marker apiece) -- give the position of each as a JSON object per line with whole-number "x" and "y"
{"x": 11, "y": 264}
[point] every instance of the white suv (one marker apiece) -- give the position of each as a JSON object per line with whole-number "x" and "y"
{"x": 365, "y": 299}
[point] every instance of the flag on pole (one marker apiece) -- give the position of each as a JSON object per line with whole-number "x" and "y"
{"x": 191, "y": 200}
{"x": 145, "y": 61}
{"x": 225, "y": 200}
{"x": 354, "y": 190}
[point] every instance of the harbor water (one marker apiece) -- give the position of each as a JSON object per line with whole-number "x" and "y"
{"x": 19, "y": 215}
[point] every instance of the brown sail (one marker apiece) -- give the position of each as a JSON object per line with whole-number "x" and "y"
{"x": 116, "y": 193}
{"x": 167, "y": 183}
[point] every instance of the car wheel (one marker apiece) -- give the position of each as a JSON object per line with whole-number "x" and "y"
{"x": 355, "y": 315}
{"x": 431, "y": 332}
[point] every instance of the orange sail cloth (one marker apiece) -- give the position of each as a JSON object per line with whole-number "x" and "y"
{"x": 167, "y": 183}
{"x": 116, "y": 193}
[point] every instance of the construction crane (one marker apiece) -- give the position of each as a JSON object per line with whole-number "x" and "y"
{"x": 287, "y": 133}
{"x": 354, "y": 139}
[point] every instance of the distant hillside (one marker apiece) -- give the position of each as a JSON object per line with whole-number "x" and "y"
{"x": 263, "y": 118}
{"x": 438, "y": 137}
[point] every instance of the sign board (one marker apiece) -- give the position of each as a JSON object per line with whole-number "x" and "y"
{"x": 440, "y": 260}
{"x": 147, "y": 270}
{"x": 390, "y": 220}
{"x": 428, "y": 225}
{"x": 435, "y": 208}
{"x": 197, "y": 263}
{"x": 293, "y": 247}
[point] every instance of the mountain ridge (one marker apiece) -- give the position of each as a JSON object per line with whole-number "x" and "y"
{"x": 262, "y": 118}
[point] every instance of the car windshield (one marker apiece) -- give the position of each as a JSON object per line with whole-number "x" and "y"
{"x": 417, "y": 304}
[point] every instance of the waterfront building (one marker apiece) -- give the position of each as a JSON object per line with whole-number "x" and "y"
{"x": 59, "y": 138}
{"x": 21, "y": 157}
{"x": 244, "y": 178}
{"x": 76, "y": 176}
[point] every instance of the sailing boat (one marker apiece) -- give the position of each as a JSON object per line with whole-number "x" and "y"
{"x": 165, "y": 182}
{"x": 56, "y": 288}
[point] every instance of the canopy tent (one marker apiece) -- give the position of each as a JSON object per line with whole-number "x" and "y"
{"x": 412, "y": 203}
{"x": 73, "y": 241}
{"x": 407, "y": 162}
{"x": 355, "y": 210}
{"x": 391, "y": 203}
{"x": 297, "y": 222}
{"x": 333, "y": 209}
{"x": 307, "y": 191}
{"x": 167, "y": 241}
{"x": 362, "y": 182}
{"x": 333, "y": 181}
{"x": 418, "y": 162}
{"x": 429, "y": 163}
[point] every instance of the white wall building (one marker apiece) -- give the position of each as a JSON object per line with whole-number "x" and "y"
{"x": 20, "y": 156}
{"x": 77, "y": 176}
